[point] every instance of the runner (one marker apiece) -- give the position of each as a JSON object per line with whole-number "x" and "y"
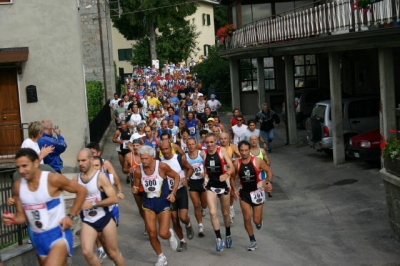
{"x": 233, "y": 152}
{"x": 184, "y": 136}
{"x": 174, "y": 129}
{"x": 151, "y": 174}
{"x": 202, "y": 145}
{"x": 38, "y": 198}
{"x": 219, "y": 183}
{"x": 252, "y": 189}
{"x": 179, "y": 209}
{"x": 257, "y": 151}
{"x": 197, "y": 193}
{"x": 96, "y": 215}
{"x": 150, "y": 140}
{"x": 121, "y": 137}
{"x": 190, "y": 124}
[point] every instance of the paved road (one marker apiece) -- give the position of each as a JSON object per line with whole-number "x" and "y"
{"x": 319, "y": 215}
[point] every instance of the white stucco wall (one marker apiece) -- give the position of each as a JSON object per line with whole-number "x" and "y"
{"x": 119, "y": 42}
{"x": 51, "y": 30}
{"x": 207, "y": 33}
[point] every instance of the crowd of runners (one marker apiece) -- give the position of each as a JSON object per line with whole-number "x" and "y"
{"x": 172, "y": 146}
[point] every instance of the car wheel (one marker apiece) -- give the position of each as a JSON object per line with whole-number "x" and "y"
{"x": 313, "y": 128}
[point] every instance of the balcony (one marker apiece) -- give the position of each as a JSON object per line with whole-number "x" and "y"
{"x": 315, "y": 22}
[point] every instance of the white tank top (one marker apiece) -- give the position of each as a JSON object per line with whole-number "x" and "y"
{"x": 43, "y": 211}
{"x": 94, "y": 194}
{"x": 152, "y": 184}
{"x": 200, "y": 107}
{"x": 174, "y": 164}
{"x": 184, "y": 146}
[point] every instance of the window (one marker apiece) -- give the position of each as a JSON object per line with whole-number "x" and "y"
{"x": 269, "y": 73}
{"x": 206, "y": 48}
{"x": 6, "y": 2}
{"x": 125, "y": 54}
{"x": 206, "y": 20}
{"x": 305, "y": 71}
{"x": 254, "y": 12}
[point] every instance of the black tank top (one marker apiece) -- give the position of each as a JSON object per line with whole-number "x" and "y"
{"x": 214, "y": 168}
{"x": 248, "y": 177}
{"x": 125, "y": 135}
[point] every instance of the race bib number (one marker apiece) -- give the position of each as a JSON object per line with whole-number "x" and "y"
{"x": 89, "y": 214}
{"x": 150, "y": 184}
{"x": 258, "y": 196}
{"x": 198, "y": 170}
{"x": 125, "y": 144}
{"x": 218, "y": 190}
{"x": 152, "y": 107}
{"x": 183, "y": 95}
{"x": 192, "y": 130}
{"x": 170, "y": 183}
{"x": 37, "y": 215}
{"x": 213, "y": 109}
{"x": 201, "y": 110}
{"x": 121, "y": 116}
{"x": 190, "y": 108}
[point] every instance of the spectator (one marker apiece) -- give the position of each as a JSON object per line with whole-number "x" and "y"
{"x": 35, "y": 131}
{"x": 267, "y": 118}
{"x": 53, "y": 159}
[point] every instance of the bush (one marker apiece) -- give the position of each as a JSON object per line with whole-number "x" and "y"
{"x": 95, "y": 96}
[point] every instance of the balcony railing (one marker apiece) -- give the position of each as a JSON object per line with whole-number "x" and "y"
{"x": 337, "y": 17}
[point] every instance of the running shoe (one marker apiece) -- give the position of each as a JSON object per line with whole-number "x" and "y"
{"x": 252, "y": 247}
{"x": 182, "y": 246}
{"x": 145, "y": 231}
{"x": 161, "y": 261}
{"x": 203, "y": 212}
{"x": 173, "y": 242}
{"x": 228, "y": 241}
{"x": 189, "y": 232}
{"x": 259, "y": 226}
{"x": 232, "y": 212}
{"x": 201, "y": 231}
{"x": 219, "y": 244}
{"x": 102, "y": 255}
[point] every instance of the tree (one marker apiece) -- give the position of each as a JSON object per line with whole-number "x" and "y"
{"x": 174, "y": 45}
{"x": 220, "y": 16}
{"x": 140, "y": 19}
{"x": 214, "y": 72}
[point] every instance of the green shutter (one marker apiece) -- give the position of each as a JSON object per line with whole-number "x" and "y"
{"x": 208, "y": 20}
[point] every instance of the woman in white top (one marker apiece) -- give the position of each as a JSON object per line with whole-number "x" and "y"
{"x": 35, "y": 131}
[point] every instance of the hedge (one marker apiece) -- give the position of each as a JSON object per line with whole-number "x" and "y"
{"x": 95, "y": 96}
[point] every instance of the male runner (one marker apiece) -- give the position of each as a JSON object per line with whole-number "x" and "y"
{"x": 180, "y": 207}
{"x": 252, "y": 189}
{"x": 152, "y": 174}
{"x": 96, "y": 216}
{"x": 38, "y": 198}
{"x": 233, "y": 152}
{"x": 195, "y": 158}
{"x": 219, "y": 183}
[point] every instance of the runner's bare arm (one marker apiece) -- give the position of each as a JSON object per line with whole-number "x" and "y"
{"x": 19, "y": 217}
{"x": 127, "y": 164}
{"x": 136, "y": 181}
{"x": 188, "y": 169}
{"x": 115, "y": 137}
{"x": 109, "y": 168}
{"x": 167, "y": 171}
{"x": 179, "y": 150}
{"x": 265, "y": 157}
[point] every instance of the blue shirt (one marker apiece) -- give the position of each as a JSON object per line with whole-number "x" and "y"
{"x": 175, "y": 118}
{"x": 53, "y": 159}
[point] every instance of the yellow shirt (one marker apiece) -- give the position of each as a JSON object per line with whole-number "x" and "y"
{"x": 154, "y": 103}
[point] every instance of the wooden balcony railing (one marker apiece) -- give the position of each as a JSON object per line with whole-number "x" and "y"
{"x": 337, "y": 17}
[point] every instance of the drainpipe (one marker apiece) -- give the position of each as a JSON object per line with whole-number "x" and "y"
{"x": 102, "y": 51}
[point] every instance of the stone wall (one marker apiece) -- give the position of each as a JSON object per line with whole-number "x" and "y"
{"x": 392, "y": 190}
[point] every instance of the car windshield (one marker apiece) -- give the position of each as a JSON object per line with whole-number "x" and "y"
{"x": 319, "y": 113}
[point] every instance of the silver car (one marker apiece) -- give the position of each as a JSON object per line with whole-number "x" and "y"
{"x": 360, "y": 114}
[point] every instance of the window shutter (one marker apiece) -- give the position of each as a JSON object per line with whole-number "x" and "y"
{"x": 208, "y": 20}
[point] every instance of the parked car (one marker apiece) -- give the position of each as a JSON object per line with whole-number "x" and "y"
{"x": 360, "y": 114}
{"x": 366, "y": 146}
{"x": 305, "y": 101}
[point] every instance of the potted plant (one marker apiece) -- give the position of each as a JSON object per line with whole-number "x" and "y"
{"x": 225, "y": 31}
{"x": 391, "y": 153}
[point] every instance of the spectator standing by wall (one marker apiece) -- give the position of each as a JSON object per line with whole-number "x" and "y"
{"x": 266, "y": 118}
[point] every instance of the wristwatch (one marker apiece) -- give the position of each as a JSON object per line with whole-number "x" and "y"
{"x": 71, "y": 216}
{"x": 94, "y": 204}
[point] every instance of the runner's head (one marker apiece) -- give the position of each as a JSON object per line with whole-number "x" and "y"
{"x": 165, "y": 148}
{"x": 95, "y": 148}
{"x": 224, "y": 139}
{"x": 191, "y": 144}
{"x": 211, "y": 142}
{"x": 148, "y": 132}
{"x": 85, "y": 158}
{"x": 97, "y": 162}
{"x": 253, "y": 141}
{"x": 146, "y": 154}
{"x": 244, "y": 149}
{"x": 27, "y": 161}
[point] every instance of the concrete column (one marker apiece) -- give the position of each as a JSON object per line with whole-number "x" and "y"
{"x": 290, "y": 111}
{"x": 261, "y": 81}
{"x": 235, "y": 82}
{"x": 336, "y": 109}
{"x": 387, "y": 89}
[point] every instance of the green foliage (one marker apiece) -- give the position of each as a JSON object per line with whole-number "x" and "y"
{"x": 220, "y": 16}
{"x": 391, "y": 147}
{"x": 116, "y": 75}
{"x": 214, "y": 72}
{"x": 95, "y": 96}
{"x": 138, "y": 15}
{"x": 174, "y": 45}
